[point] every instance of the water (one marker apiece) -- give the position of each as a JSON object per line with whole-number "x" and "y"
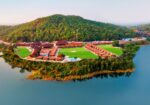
{"x": 133, "y": 90}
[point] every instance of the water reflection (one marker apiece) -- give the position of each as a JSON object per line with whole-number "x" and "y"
{"x": 13, "y": 63}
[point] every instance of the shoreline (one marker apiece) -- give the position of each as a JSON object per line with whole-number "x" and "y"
{"x": 77, "y": 77}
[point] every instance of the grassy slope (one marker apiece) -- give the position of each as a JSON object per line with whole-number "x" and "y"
{"x": 22, "y": 52}
{"x": 77, "y": 52}
{"x": 118, "y": 51}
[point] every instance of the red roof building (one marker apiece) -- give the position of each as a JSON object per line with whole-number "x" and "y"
{"x": 53, "y": 51}
{"x": 61, "y": 43}
{"x": 99, "y": 51}
{"x": 47, "y": 45}
{"x": 44, "y": 52}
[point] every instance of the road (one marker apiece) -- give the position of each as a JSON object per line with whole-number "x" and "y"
{"x": 3, "y": 42}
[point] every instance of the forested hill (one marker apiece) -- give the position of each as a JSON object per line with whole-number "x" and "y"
{"x": 60, "y": 27}
{"x": 145, "y": 27}
{"x": 4, "y": 29}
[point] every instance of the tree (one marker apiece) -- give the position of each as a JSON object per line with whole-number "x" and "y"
{"x": 148, "y": 39}
{"x": 116, "y": 43}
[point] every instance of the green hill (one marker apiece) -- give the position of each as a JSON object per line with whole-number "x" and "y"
{"x": 145, "y": 27}
{"x": 4, "y": 29}
{"x": 60, "y": 27}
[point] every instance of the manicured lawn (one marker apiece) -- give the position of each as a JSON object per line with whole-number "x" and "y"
{"x": 115, "y": 50}
{"x": 79, "y": 52}
{"x": 22, "y": 52}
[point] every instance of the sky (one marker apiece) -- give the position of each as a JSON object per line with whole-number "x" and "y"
{"x": 125, "y": 12}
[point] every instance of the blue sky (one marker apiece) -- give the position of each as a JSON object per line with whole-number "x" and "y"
{"x": 112, "y": 11}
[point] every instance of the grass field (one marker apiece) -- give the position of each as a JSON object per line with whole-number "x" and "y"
{"x": 22, "y": 52}
{"x": 115, "y": 50}
{"x": 79, "y": 52}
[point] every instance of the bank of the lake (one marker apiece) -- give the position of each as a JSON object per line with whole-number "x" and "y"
{"x": 106, "y": 73}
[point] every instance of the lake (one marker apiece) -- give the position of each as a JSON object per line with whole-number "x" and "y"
{"x": 15, "y": 89}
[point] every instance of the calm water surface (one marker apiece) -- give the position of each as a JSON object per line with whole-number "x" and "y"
{"x": 133, "y": 90}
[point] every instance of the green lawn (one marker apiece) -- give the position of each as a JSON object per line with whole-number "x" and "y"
{"x": 22, "y": 52}
{"x": 115, "y": 50}
{"x": 79, "y": 52}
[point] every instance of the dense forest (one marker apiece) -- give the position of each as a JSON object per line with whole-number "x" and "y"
{"x": 60, "y": 27}
{"x": 145, "y": 27}
{"x": 4, "y": 30}
{"x": 59, "y": 71}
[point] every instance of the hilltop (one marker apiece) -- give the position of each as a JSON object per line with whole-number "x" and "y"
{"x": 60, "y": 27}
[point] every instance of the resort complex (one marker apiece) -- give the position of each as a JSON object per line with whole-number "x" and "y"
{"x": 69, "y": 51}
{"x": 64, "y": 51}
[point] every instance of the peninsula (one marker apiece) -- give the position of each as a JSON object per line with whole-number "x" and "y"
{"x": 64, "y": 48}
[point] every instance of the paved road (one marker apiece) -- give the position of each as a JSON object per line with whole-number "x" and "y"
{"x": 3, "y": 42}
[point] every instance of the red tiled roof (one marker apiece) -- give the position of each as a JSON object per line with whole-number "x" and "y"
{"x": 63, "y": 42}
{"x": 45, "y": 51}
{"x": 99, "y": 51}
{"x": 53, "y": 51}
{"x": 47, "y": 45}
